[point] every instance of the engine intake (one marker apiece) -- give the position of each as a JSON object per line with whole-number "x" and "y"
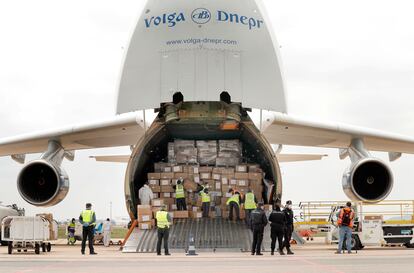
{"x": 368, "y": 180}
{"x": 42, "y": 183}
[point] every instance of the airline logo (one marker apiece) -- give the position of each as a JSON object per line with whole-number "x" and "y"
{"x": 203, "y": 16}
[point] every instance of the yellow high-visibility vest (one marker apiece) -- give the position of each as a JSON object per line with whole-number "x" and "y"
{"x": 179, "y": 191}
{"x": 249, "y": 203}
{"x": 234, "y": 198}
{"x": 205, "y": 198}
{"x": 87, "y": 216}
{"x": 162, "y": 219}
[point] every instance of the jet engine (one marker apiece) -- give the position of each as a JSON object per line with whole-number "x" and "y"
{"x": 43, "y": 182}
{"x": 367, "y": 179}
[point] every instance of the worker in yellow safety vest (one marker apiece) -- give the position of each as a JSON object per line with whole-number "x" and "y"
{"x": 71, "y": 231}
{"x": 180, "y": 195}
{"x": 163, "y": 227}
{"x": 234, "y": 204}
{"x": 88, "y": 220}
{"x": 250, "y": 204}
{"x": 205, "y": 199}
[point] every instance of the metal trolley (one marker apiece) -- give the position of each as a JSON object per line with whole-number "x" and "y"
{"x": 26, "y": 232}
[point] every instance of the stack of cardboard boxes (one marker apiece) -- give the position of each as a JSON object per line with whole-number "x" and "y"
{"x": 212, "y": 163}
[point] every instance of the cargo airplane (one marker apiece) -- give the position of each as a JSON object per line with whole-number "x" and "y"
{"x": 203, "y": 66}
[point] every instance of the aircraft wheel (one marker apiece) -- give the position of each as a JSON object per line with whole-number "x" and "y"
{"x": 37, "y": 248}
{"x": 10, "y": 248}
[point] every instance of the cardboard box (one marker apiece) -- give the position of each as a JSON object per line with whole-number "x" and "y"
{"x": 241, "y": 176}
{"x": 225, "y": 188}
{"x": 241, "y": 168}
{"x": 255, "y": 176}
{"x": 157, "y": 202}
{"x": 224, "y": 181}
{"x": 167, "y": 169}
{"x": 243, "y": 183}
{"x": 228, "y": 171}
{"x": 197, "y": 179}
{"x": 254, "y": 168}
{"x": 165, "y": 182}
{"x": 145, "y": 225}
{"x": 167, "y": 189}
{"x": 155, "y": 188}
{"x": 177, "y": 169}
{"x": 173, "y": 207}
{"x": 169, "y": 201}
{"x": 154, "y": 182}
{"x": 217, "y": 186}
{"x": 194, "y": 170}
{"x": 233, "y": 182}
{"x": 181, "y": 214}
{"x": 183, "y": 175}
{"x": 145, "y": 217}
{"x": 166, "y": 195}
{"x": 155, "y": 195}
{"x": 196, "y": 215}
{"x": 216, "y": 176}
{"x": 154, "y": 176}
{"x": 205, "y": 169}
{"x": 166, "y": 176}
{"x": 144, "y": 210}
{"x": 205, "y": 175}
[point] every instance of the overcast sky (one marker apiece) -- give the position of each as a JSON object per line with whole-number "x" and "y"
{"x": 351, "y": 62}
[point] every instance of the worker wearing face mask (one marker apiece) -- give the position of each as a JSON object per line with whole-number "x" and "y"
{"x": 289, "y": 226}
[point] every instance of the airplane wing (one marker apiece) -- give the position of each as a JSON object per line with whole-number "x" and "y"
{"x": 112, "y": 158}
{"x": 280, "y": 157}
{"x": 122, "y": 130}
{"x": 291, "y": 130}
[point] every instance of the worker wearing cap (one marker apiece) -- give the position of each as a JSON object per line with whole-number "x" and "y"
{"x": 205, "y": 200}
{"x": 88, "y": 220}
{"x": 250, "y": 202}
{"x": 289, "y": 226}
{"x": 259, "y": 222}
{"x": 234, "y": 204}
{"x": 163, "y": 227}
{"x": 180, "y": 195}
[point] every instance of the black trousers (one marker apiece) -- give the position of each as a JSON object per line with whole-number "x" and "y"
{"x": 181, "y": 204}
{"x": 88, "y": 233}
{"x": 257, "y": 240}
{"x": 288, "y": 236}
{"x": 235, "y": 207}
{"x": 248, "y": 220}
{"x": 206, "y": 208}
{"x": 277, "y": 234}
{"x": 163, "y": 234}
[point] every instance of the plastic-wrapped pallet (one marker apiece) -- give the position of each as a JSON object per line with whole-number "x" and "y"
{"x": 230, "y": 152}
{"x": 171, "y": 152}
{"x": 230, "y": 148}
{"x": 207, "y": 152}
{"x": 185, "y": 151}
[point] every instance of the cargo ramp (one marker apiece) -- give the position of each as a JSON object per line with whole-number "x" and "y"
{"x": 209, "y": 235}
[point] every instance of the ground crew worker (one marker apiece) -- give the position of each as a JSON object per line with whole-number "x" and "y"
{"x": 71, "y": 231}
{"x": 345, "y": 224}
{"x": 205, "y": 199}
{"x": 277, "y": 219}
{"x": 145, "y": 194}
{"x": 88, "y": 220}
{"x": 289, "y": 226}
{"x": 163, "y": 226}
{"x": 234, "y": 204}
{"x": 259, "y": 222}
{"x": 180, "y": 195}
{"x": 250, "y": 202}
{"x": 107, "y": 228}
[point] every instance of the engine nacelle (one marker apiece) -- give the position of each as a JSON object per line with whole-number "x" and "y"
{"x": 42, "y": 183}
{"x": 368, "y": 180}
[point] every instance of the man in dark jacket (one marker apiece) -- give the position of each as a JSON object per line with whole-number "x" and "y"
{"x": 259, "y": 222}
{"x": 289, "y": 226}
{"x": 277, "y": 221}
